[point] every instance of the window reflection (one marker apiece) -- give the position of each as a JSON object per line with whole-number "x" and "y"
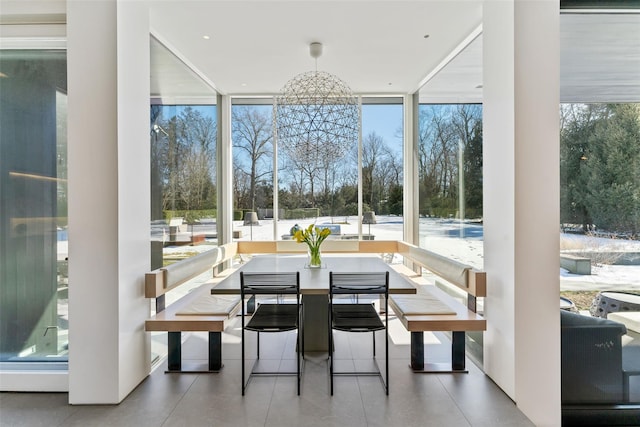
{"x": 33, "y": 207}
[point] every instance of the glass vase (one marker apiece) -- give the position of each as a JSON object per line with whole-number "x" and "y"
{"x": 315, "y": 259}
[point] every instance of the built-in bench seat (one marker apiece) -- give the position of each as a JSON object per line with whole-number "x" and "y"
{"x": 198, "y": 310}
{"x": 432, "y": 309}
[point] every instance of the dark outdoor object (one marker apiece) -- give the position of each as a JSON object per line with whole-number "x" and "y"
{"x": 281, "y": 316}
{"x": 567, "y": 304}
{"x": 595, "y": 370}
{"x": 359, "y": 317}
{"x": 369, "y": 218}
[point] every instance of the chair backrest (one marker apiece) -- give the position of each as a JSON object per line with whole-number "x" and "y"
{"x": 269, "y": 283}
{"x": 358, "y": 283}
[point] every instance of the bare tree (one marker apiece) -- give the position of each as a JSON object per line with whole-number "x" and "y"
{"x": 252, "y": 137}
{"x": 186, "y": 161}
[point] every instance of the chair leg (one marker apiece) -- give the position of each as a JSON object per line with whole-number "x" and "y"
{"x": 300, "y": 346}
{"x": 374, "y": 343}
{"x": 386, "y": 338}
{"x": 301, "y": 327}
{"x": 298, "y": 359}
{"x": 242, "y": 356}
{"x": 257, "y": 345}
{"x": 330, "y": 350}
{"x": 331, "y": 360}
{"x": 386, "y": 362}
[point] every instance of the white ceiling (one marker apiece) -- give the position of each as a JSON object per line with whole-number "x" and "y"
{"x": 376, "y": 47}
{"x": 255, "y": 47}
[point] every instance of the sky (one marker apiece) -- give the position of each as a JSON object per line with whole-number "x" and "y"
{"x": 384, "y": 120}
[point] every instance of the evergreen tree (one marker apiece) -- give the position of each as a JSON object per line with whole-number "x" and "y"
{"x": 600, "y": 167}
{"x": 614, "y": 170}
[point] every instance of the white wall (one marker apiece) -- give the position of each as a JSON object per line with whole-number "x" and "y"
{"x": 108, "y": 136}
{"x": 521, "y": 203}
{"x": 134, "y": 191}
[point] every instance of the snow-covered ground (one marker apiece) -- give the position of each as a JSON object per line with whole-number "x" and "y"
{"x": 460, "y": 241}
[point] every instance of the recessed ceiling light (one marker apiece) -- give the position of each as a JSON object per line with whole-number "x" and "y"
{"x": 243, "y": 84}
{"x": 206, "y": 37}
{"x": 426, "y": 36}
{"x": 479, "y": 87}
{"x": 390, "y": 83}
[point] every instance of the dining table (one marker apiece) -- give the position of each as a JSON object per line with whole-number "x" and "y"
{"x": 314, "y": 285}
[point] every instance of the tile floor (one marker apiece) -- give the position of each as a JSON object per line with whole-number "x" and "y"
{"x": 215, "y": 399}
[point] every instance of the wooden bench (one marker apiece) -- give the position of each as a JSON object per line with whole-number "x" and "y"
{"x": 432, "y": 309}
{"x": 196, "y": 311}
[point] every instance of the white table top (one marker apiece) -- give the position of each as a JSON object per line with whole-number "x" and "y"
{"x": 315, "y": 280}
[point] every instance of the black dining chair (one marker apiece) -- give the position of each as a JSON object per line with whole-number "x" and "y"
{"x": 278, "y": 308}
{"x": 359, "y": 314}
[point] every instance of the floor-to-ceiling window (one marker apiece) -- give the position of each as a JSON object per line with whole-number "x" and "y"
{"x": 183, "y": 140}
{"x": 318, "y": 187}
{"x": 450, "y": 190}
{"x": 382, "y": 168}
{"x": 33, "y": 209}
{"x": 253, "y": 184}
{"x": 450, "y": 181}
{"x": 183, "y": 159}
{"x": 184, "y": 190}
{"x": 600, "y": 243}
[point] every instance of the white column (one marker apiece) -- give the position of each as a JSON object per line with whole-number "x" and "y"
{"x": 410, "y": 159}
{"x": 225, "y": 171}
{"x": 521, "y": 203}
{"x": 109, "y": 198}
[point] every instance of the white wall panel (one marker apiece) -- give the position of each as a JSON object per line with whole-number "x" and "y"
{"x": 521, "y": 203}
{"x": 108, "y": 135}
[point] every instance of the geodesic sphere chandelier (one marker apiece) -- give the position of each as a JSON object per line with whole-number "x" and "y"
{"x": 316, "y": 116}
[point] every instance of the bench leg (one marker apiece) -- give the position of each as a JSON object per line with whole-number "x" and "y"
{"x": 457, "y": 364}
{"x": 174, "y": 356}
{"x": 417, "y": 351}
{"x": 457, "y": 351}
{"x": 215, "y": 351}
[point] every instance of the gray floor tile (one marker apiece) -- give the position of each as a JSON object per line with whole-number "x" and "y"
{"x": 195, "y": 400}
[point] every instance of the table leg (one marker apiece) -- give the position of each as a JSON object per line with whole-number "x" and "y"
{"x": 316, "y": 323}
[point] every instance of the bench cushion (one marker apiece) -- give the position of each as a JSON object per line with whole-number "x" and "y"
{"x": 420, "y": 304}
{"x": 210, "y": 305}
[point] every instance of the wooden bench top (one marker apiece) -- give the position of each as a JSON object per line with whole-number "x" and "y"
{"x": 175, "y": 319}
{"x": 463, "y": 319}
